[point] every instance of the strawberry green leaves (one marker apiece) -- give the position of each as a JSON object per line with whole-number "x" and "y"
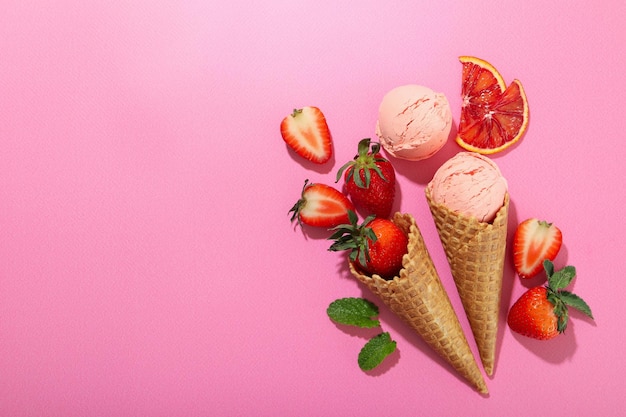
{"x": 354, "y": 237}
{"x": 360, "y": 312}
{"x": 370, "y": 180}
{"x": 366, "y": 161}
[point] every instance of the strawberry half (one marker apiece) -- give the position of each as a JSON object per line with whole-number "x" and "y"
{"x": 533, "y": 242}
{"x": 377, "y": 246}
{"x": 542, "y": 312}
{"x": 321, "y": 205}
{"x": 306, "y": 132}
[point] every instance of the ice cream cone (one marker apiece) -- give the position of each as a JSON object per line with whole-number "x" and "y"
{"x": 417, "y": 296}
{"x": 475, "y": 251}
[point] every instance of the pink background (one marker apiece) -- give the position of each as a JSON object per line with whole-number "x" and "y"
{"x": 147, "y": 262}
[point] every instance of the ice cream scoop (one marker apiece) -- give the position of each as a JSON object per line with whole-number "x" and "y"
{"x": 470, "y": 184}
{"x": 414, "y": 122}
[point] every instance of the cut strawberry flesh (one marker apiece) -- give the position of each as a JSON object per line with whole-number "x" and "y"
{"x": 307, "y": 133}
{"x": 534, "y": 242}
{"x": 322, "y": 206}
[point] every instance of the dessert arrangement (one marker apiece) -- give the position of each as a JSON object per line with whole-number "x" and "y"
{"x": 469, "y": 202}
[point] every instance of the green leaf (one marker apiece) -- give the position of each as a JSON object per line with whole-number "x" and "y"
{"x": 364, "y": 146}
{"x": 562, "y": 318}
{"x": 549, "y": 267}
{"x": 576, "y": 302}
{"x": 368, "y": 178}
{"x": 560, "y": 309}
{"x": 375, "y": 351}
{"x": 354, "y": 237}
{"x": 353, "y": 312}
{"x": 377, "y": 169}
{"x": 352, "y": 216}
{"x": 562, "y": 278}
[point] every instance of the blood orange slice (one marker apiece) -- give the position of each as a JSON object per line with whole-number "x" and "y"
{"x": 493, "y": 116}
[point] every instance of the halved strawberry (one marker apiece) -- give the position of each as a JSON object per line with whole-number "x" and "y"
{"x": 535, "y": 241}
{"x": 321, "y": 206}
{"x": 306, "y": 132}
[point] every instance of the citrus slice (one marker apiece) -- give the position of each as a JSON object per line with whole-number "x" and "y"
{"x": 493, "y": 116}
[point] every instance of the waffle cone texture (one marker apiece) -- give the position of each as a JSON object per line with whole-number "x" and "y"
{"x": 475, "y": 251}
{"x": 417, "y": 296}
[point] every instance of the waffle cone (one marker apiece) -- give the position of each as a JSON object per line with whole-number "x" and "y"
{"x": 417, "y": 296}
{"x": 475, "y": 251}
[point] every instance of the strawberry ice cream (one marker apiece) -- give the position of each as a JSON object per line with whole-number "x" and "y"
{"x": 414, "y": 122}
{"x": 469, "y": 184}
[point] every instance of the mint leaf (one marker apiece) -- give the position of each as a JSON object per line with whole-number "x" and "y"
{"x": 562, "y": 278}
{"x": 375, "y": 351}
{"x": 549, "y": 267}
{"x": 354, "y": 312}
{"x": 576, "y": 302}
{"x": 560, "y": 309}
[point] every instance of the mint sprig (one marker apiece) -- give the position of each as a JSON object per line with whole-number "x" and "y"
{"x": 576, "y": 302}
{"x": 375, "y": 351}
{"x": 558, "y": 279}
{"x": 353, "y": 312}
{"x": 561, "y": 299}
{"x": 360, "y": 312}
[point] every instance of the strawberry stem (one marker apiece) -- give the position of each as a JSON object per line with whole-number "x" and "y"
{"x": 365, "y": 161}
{"x": 299, "y": 204}
{"x": 354, "y": 237}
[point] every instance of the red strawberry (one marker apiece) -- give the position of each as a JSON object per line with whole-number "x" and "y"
{"x": 533, "y": 242}
{"x": 533, "y": 315}
{"x": 321, "y": 205}
{"x": 376, "y": 246}
{"x": 373, "y": 187}
{"x": 541, "y": 312}
{"x": 306, "y": 132}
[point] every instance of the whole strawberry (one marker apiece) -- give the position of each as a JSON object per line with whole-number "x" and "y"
{"x": 541, "y": 312}
{"x": 370, "y": 180}
{"x": 377, "y": 246}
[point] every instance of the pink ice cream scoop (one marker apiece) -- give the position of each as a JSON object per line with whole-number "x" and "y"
{"x": 414, "y": 122}
{"x": 470, "y": 184}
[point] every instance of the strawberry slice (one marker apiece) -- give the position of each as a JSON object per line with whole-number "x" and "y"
{"x": 306, "y": 132}
{"x": 535, "y": 241}
{"x": 321, "y": 206}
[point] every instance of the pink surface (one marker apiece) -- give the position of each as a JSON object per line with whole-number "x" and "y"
{"x": 147, "y": 262}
